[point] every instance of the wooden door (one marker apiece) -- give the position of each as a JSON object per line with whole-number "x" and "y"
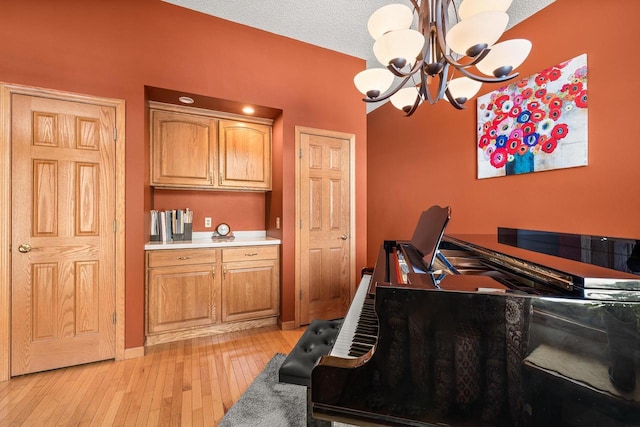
{"x": 244, "y": 155}
{"x": 63, "y": 238}
{"x": 326, "y": 225}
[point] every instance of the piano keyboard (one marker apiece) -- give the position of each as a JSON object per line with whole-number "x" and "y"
{"x": 359, "y": 331}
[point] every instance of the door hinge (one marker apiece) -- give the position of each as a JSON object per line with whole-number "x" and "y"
{"x": 300, "y": 154}
{"x": 300, "y": 223}
{"x": 114, "y": 318}
{"x": 300, "y": 294}
{"x": 115, "y": 134}
{"x": 114, "y": 225}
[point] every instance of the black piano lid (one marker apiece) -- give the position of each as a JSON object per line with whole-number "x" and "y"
{"x": 585, "y": 275}
{"x": 610, "y": 252}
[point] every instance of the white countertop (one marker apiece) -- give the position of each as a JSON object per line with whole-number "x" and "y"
{"x": 202, "y": 239}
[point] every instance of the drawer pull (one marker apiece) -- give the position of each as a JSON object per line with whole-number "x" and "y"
{"x": 182, "y": 258}
{"x": 251, "y": 254}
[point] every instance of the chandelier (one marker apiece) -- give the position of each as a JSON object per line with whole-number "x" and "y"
{"x": 428, "y": 59}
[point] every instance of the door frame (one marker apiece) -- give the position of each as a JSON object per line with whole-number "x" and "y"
{"x": 352, "y": 209}
{"x": 6, "y": 91}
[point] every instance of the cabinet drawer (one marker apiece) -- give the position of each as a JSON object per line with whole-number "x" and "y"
{"x": 171, "y": 257}
{"x": 250, "y": 253}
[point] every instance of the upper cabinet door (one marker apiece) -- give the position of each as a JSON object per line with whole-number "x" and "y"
{"x": 182, "y": 150}
{"x": 244, "y": 155}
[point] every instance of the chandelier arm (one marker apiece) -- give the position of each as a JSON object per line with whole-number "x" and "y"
{"x": 414, "y": 107}
{"x": 424, "y": 88}
{"x": 442, "y": 83}
{"x": 440, "y": 27}
{"x": 423, "y": 14}
{"x": 442, "y": 21}
{"x": 391, "y": 93}
{"x": 453, "y": 101}
{"x": 397, "y": 72}
{"x": 486, "y": 79}
{"x": 473, "y": 62}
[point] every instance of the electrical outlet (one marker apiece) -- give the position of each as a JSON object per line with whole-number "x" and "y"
{"x": 207, "y": 222}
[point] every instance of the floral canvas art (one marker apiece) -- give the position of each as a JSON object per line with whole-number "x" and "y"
{"x": 535, "y": 124}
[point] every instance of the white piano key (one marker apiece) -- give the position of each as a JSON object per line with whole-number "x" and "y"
{"x": 347, "y": 331}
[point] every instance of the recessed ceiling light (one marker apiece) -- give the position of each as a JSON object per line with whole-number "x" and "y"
{"x": 185, "y": 100}
{"x": 248, "y": 110}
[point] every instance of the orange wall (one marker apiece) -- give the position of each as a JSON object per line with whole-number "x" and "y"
{"x": 114, "y": 48}
{"x": 241, "y": 210}
{"x": 430, "y": 158}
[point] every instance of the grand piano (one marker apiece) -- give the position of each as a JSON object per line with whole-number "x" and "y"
{"x": 520, "y": 328}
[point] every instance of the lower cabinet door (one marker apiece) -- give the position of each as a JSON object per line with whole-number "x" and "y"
{"x": 181, "y": 297}
{"x": 249, "y": 290}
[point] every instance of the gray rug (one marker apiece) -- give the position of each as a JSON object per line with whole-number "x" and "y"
{"x": 268, "y": 402}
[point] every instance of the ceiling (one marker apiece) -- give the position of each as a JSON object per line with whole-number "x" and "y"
{"x": 339, "y": 25}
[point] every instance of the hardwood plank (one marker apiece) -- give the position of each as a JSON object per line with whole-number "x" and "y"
{"x": 192, "y": 382}
{"x": 176, "y": 392}
{"x": 85, "y": 387}
{"x": 93, "y": 402}
{"x": 138, "y": 395}
{"x": 42, "y": 384}
{"x": 123, "y": 408}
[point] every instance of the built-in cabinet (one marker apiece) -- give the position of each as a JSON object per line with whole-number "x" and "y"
{"x": 194, "y": 292}
{"x": 183, "y": 150}
{"x": 249, "y": 282}
{"x": 244, "y": 155}
{"x": 182, "y": 291}
{"x": 200, "y": 149}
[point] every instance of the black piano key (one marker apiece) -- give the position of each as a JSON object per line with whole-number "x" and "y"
{"x": 359, "y": 350}
{"x": 365, "y": 339}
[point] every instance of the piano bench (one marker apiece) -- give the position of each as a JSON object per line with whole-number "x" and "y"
{"x": 316, "y": 341}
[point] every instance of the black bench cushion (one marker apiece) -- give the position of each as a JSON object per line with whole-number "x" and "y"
{"x": 316, "y": 341}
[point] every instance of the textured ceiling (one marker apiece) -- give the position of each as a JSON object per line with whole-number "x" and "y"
{"x": 339, "y": 25}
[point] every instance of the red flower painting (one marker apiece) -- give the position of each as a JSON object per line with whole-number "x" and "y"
{"x": 538, "y": 123}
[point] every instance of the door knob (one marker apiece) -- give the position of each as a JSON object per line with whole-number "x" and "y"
{"x": 344, "y": 237}
{"x": 24, "y": 248}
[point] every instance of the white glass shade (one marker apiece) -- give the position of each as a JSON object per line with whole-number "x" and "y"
{"x": 389, "y": 18}
{"x": 405, "y": 44}
{"x": 379, "y": 79}
{"x": 484, "y": 27}
{"x": 463, "y": 87}
{"x": 469, "y": 8}
{"x": 405, "y": 98}
{"x": 507, "y": 53}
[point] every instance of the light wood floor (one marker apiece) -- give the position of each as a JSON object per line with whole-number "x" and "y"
{"x": 186, "y": 383}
